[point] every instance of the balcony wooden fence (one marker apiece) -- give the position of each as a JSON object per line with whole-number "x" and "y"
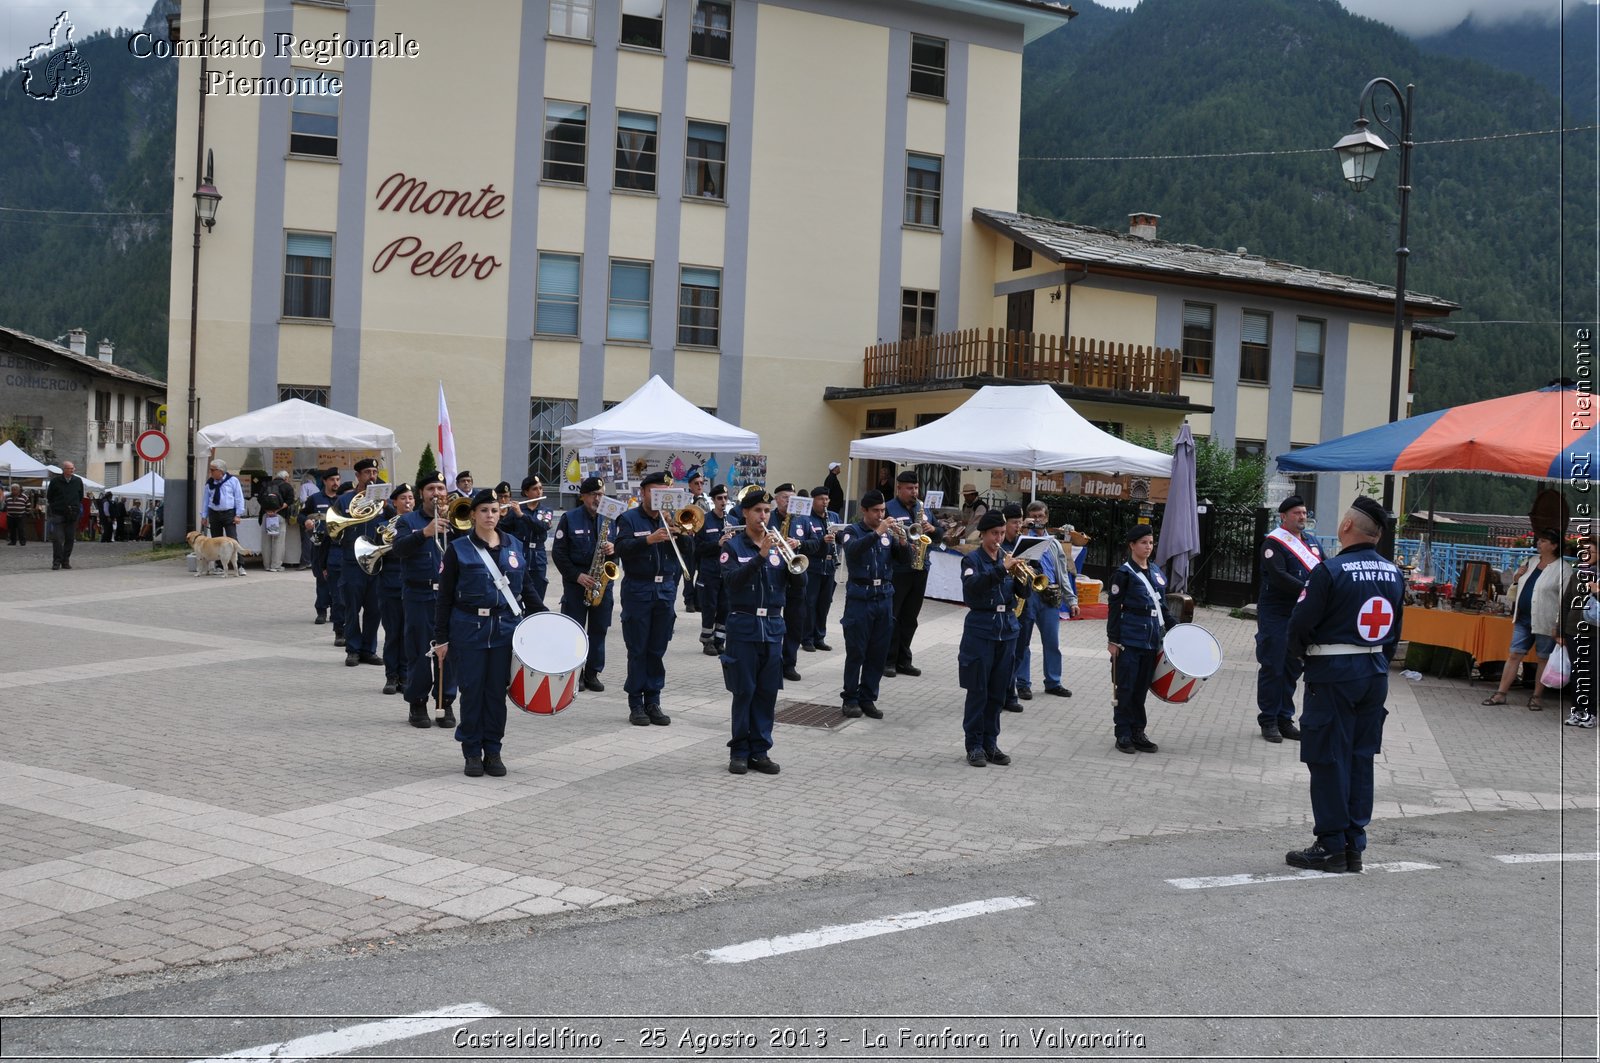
{"x": 1078, "y": 362}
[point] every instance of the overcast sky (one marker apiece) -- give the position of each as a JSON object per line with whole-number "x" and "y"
{"x": 26, "y": 22}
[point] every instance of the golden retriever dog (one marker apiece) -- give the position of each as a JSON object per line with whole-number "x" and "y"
{"x": 211, "y": 549}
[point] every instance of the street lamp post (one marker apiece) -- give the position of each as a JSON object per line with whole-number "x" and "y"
{"x": 1358, "y": 156}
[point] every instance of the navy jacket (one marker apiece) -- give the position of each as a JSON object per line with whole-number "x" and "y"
{"x": 472, "y": 612}
{"x": 898, "y": 512}
{"x": 650, "y": 570}
{"x": 870, "y": 556}
{"x": 757, "y": 590}
{"x": 708, "y": 547}
{"x": 990, "y": 593}
{"x": 572, "y": 548}
{"x": 1283, "y": 577}
{"x": 417, "y": 556}
{"x": 1353, "y": 599}
{"x": 352, "y": 532}
{"x": 1132, "y": 619}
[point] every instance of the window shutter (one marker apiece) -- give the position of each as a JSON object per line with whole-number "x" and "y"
{"x": 1196, "y": 316}
{"x": 309, "y": 245}
{"x": 1308, "y": 336}
{"x": 701, "y": 277}
{"x": 1254, "y": 329}
{"x": 558, "y": 275}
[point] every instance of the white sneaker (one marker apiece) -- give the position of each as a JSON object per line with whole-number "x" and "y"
{"x": 1579, "y": 719}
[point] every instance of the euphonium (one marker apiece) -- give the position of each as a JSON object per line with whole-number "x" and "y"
{"x": 362, "y": 509}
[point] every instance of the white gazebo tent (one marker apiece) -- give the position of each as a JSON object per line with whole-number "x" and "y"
{"x": 17, "y": 464}
{"x": 654, "y": 418}
{"x": 148, "y": 487}
{"x": 292, "y": 423}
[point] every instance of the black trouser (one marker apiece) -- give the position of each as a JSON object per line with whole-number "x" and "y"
{"x": 223, "y": 522}
{"x": 909, "y": 587}
{"x": 63, "y": 533}
{"x": 17, "y": 528}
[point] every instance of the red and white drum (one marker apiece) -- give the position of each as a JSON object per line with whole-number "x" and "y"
{"x": 548, "y": 651}
{"x": 1189, "y": 656}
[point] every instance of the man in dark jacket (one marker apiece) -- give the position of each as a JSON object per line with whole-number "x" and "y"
{"x": 63, "y": 500}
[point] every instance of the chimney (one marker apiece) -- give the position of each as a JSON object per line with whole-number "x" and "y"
{"x": 105, "y": 351}
{"x": 1143, "y": 225}
{"x": 78, "y": 341}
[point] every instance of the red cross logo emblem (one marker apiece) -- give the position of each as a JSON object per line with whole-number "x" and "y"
{"x": 1375, "y": 619}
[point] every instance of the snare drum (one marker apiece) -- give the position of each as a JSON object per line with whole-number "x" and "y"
{"x": 1189, "y": 656}
{"x": 548, "y": 651}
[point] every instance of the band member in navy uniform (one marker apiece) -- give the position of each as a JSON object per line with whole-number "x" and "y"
{"x": 696, "y": 482}
{"x": 1012, "y": 515}
{"x": 391, "y": 595}
{"x": 910, "y": 584}
{"x": 360, "y": 590}
{"x": 463, "y": 487}
{"x": 316, "y": 506}
{"x": 533, "y": 527}
{"x": 805, "y": 539}
{"x": 758, "y": 584}
{"x": 871, "y": 550}
{"x": 991, "y": 582}
{"x": 419, "y": 554}
{"x": 650, "y": 575}
{"x": 709, "y": 592}
{"x": 572, "y": 550}
{"x": 820, "y": 577}
{"x": 1136, "y": 620}
{"x": 1288, "y": 555}
{"x": 1347, "y": 629}
{"x": 480, "y": 590}
{"x": 329, "y": 560}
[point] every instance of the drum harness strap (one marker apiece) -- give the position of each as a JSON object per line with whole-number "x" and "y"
{"x": 1155, "y": 610}
{"x": 500, "y": 580}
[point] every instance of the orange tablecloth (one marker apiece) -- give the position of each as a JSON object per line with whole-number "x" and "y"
{"x": 1485, "y": 638}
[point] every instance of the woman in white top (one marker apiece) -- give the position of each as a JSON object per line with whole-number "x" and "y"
{"x": 1536, "y": 613}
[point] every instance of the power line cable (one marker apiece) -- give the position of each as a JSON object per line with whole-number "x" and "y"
{"x": 1291, "y": 151}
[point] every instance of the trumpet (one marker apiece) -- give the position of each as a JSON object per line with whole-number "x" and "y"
{"x": 795, "y": 563}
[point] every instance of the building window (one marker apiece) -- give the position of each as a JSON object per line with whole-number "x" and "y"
{"x": 1305, "y": 483}
{"x": 317, "y": 396}
{"x": 636, "y": 152}
{"x": 1249, "y": 449}
{"x": 102, "y": 405}
{"x": 880, "y": 420}
{"x": 641, "y": 23}
{"x": 1308, "y": 350}
{"x": 112, "y": 477}
{"x": 314, "y": 123}
{"x": 547, "y": 417}
{"x": 918, "y": 312}
{"x": 924, "y": 175}
{"x": 1114, "y": 428}
{"x": 928, "y": 66}
{"x": 1021, "y": 257}
{"x": 308, "y": 276}
{"x": 699, "y": 307}
{"x": 711, "y": 36}
{"x": 572, "y": 18}
{"x": 1199, "y": 334}
{"x": 1255, "y": 347}
{"x": 705, "y": 162}
{"x": 628, "y": 308}
{"x": 566, "y": 141}
{"x": 556, "y": 309}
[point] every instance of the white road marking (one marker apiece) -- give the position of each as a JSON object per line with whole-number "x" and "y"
{"x": 833, "y": 935}
{"x": 1546, "y": 858}
{"x": 366, "y": 1035}
{"x": 1213, "y": 881}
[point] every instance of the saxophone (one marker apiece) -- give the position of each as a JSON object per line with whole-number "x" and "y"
{"x": 920, "y": 544}
{"x": 600, "y": 570}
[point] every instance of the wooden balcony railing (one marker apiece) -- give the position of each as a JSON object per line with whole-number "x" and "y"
{"x": 1078, "y": 361}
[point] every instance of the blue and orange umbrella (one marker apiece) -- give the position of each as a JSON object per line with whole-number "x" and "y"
{"x": 1549, "y": 434}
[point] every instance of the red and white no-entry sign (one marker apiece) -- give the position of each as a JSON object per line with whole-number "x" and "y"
{"x": 151, "y": 445}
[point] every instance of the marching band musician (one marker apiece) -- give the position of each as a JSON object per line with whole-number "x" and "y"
{"x": 710, "y": 592}
{"x": 536, "y": 520}
{"x": 805, "y": 539}
{"x": 329, "y": 560}
{"x": 1347, "y": 628}
{"x": 1043, "y": 612}
{"x": 991, "y": 582}
{"x": 1012, "y": 515}
{"x": 463, "y": 487}
{"x": 515, "y": 520}
{"x": 311, "y": 514}
{"x": 650, "y": 574}
{"x": 910, "y": 584}
{"x": 419, "y": 549}
{"x": 758, "y": 586}
{"x": 820, "y": 576}
{"x": 391, "y": 595}
{"x": 1136, "y": 620}
{"x": 872, "y": 547}
{"x": 360, "y": 590}
{"x": 576, "y": 539}
{"x": 691, "y": 582}
{"x": 480, "y": 587}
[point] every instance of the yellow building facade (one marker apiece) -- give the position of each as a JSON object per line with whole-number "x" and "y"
{"x": 541, "y": 203}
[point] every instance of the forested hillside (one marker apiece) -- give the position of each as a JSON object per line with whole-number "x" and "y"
{"x": 1504, "y": 227}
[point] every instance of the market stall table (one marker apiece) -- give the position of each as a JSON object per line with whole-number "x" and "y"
{"x": 1482, "y": 636}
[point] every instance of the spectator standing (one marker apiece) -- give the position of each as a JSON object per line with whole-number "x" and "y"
{"x": 19, "y": 507}
{"x": 222, "y": 501}
{"x": 63, "y": 507}
{"x": 274, "y": 532}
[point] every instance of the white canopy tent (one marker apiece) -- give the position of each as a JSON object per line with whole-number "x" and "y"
{"x": 656, "y": 418}
{"x": 16, "y": 464}
{"x": 149, "y": 487}
{"x": 1023, "y": 427}
{"x": 297, "y": 423}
